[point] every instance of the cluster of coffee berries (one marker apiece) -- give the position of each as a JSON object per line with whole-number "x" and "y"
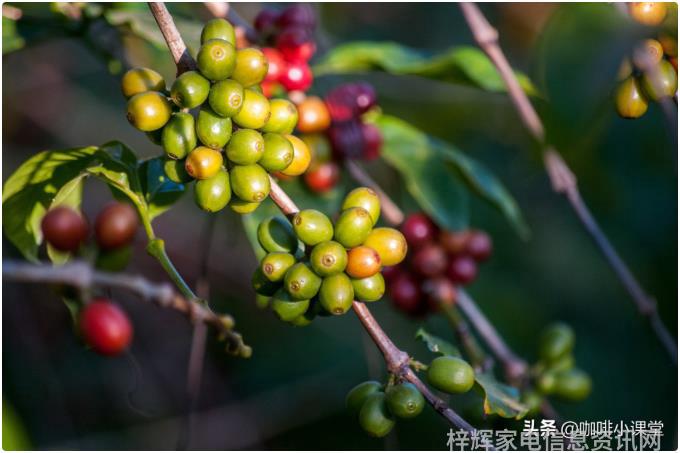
{"x": 334, "y": 130}
{"x": 376, "y": 405}
{"x": 652, "y": 72}
{"x": 438, "y": 261}
{"x": 105, "y": 327}
{"x": 555, "y": 373}
{"x": 67, "y": 230}
{"x": 314, "y": 267}
{"x": 287, "y": 37}
{"x": 234, "y": 137}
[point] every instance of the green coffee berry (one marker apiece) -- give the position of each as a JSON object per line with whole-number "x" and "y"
{"x": 283, "y": 117}
{"x": 286, "y": 308}
{"x": 358, "y": 395}
{"x": 262, "y": 285}
{"x": 573, "y": 385}
{"x": 226, "y": 98}
{"x": 278, "y": 152}
{"x": 363, "y": 197}
{"x": 213, "y": 130}
{"x": 218, "y": 28}
{"x": 245, "y": 147}
{"x": 179, "y": 136}
{"x": 242, "y": 207}
{"x": 374, "y": 416}
{"x": 190, "y": 90}
{"x": 250, "y": 182}
{"x": 328, "y": 258}
{"x": 275, "y": 265}
{"x": 556, "y": 341}
{"x": 404, "y": 400}
{"x": 255, "y": 110}
{"x": 276, "y": 234}
{"x": 216, "y": 59}
{"x": 336, "y": 294}
{"x": 301, "y": 282}
{"x": 451, "y": 374}
{"x": 175, "y": 171}
{"x": 214, "y": 193}
{"x": 353, "y": 227}
{"x": 312, "y": 227}
{"x": 369, "y": 289}
{"x": 251, "y": 67}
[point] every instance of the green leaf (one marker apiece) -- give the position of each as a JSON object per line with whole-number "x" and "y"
{"x": 14, "y": 435}
{"x": 436, "y": 344}
{"x": 142, "y": 24}
{"x": 433, "y": 168}
{"x": 31, "y": 190}
{"x": 460, "y": 65}
{"x": 11, "y": 39}
{"x": 499, "y": 398}
{"x": 160, "y": 193}
{"x": 433, "y": 184}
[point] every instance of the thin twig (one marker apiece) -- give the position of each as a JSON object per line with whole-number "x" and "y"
{"x": 179, "y": 51}
{"x": 389, "y": 209}
{"x": 562, "y": 178}
{"x": 477, "y": 355}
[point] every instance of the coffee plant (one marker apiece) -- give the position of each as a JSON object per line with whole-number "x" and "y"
{"x": 244, "y": 124}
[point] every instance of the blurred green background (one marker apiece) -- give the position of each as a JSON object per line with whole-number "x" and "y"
{"x": 58, "y": 93}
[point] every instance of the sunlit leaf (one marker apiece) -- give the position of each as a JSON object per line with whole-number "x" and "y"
{"x": 460, "y": 65}
{"x": 500, "y": 399}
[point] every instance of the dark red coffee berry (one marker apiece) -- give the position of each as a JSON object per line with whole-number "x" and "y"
{"x": 64, "y": 228}
{"x": 265, "y": 21}
{"x": 296, "y": 44}
{"x": 277, "y": 64}
{"x": 430, "y": 260}
{"x": 439, "y": 290}
{"x": 372, "y": 141}
{"x": 454, "y": 242}
{"x": 479, "y": 245}
{"x": 297, "y": 76}
{"x": 347, "y": 139}
{"x": 462, "y": 269}
{"x": 116, "y": 225}
{"x": 365, "y": 97}
{"x": 322, "y": 177}
{"x": 299, "y": 15}
{"x": 389, "y": 273}
{"x": 405, "y": 294}
{"x": 350, "y": 100}
{"x": 418, "y": 230}
{"x": 105, "y": 327}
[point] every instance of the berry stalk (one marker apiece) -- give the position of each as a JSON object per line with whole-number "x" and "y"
{"x": 562, "y": 178}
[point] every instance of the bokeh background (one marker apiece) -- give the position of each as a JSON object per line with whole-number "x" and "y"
{"x": 58, "y": 93}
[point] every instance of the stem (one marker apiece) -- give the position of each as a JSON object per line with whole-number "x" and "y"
{"x": 156, "y": 248}
{"x": 397, "y": 361}
{"x": 514, "y": 367}
{"x": 179, "y": 51}
{"x": 390, "y": 210}
{"x": 561, "y": 176}
{"x": 469, "y": 342}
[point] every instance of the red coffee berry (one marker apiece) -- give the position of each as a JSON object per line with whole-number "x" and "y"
{"x": 365, "y": 97}
{"x": 389, "y": 273}
{"x": 322, "y": 177}
{"x": 439, "y": 290}
{"x": 116, "y": 225}
{"x": 454, "y": 242}
{"x": 462, "y": 269}
{"x": 300, "y": 14}
{"x": 64, "y": 228}
{"x": 372, "y": 141}
{"x": 270, "y": 88}
{"x": 296, "y": 44}
{"x": 265, "y": 21}
{"x": 277, "y": 64}
{"x": 347, "y": 139}
{"x": 405, "y": 294}
{"x": 297, "y": 76}
{"x": 430, "y": 260}
{"x": 350, "y": 100}
{"x": 418, "y": 230}
{"x": 479, "y": 245}
{"x": 105, "y": 327}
